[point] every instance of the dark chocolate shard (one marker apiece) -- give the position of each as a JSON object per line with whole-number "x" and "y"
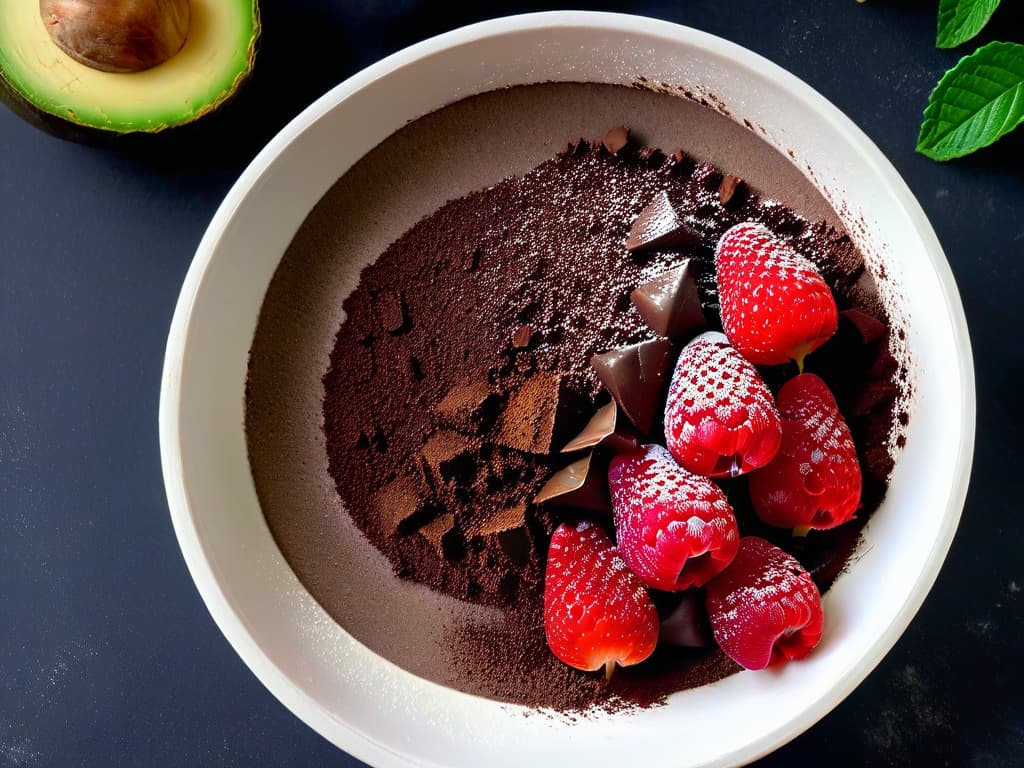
{"x": 659, "y": 226}
{"x": 616, "y": 139}
{"x": 600, "y": 426}
{"x": 604, "y": 428}
{"x": 670, "y": 303}
{"x": 727, "y": 190}
{"x": 535, "y": 412}
{"x": 578, "y": 486}
{"x": 637, "y": 376}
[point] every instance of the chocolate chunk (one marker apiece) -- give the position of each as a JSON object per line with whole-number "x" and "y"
{"x": 604, "y": 428}
{"x": 435, "y": 531}
{"x": 535, "y": 412}
{"x": 637, "y": 376}
{"x": 521, "y": 338}
{"x": 598, "y": 428}
{"x": 670, "y": 304}
{"x": 447, "y": 457}
{"x": 504, "y": 519}
{"x": 578, "y": 486}
{"x": 616, "y": 139}
{"x": 728, "y": 188}
{"x": 393, "y": 312}
{"x": 400, "y": 500}
{"x": 659, "y": 226}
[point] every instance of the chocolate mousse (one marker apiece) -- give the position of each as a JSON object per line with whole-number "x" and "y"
{"x": 406, "y": 421}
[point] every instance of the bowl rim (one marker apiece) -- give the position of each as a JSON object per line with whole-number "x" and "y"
{"x": 225, "y": 615}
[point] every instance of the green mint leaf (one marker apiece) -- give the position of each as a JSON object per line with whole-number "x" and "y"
{"x": 960, "y": 20}
{"x": 976, "y": 102}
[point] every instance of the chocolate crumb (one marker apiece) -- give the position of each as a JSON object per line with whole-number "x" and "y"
{"x": 393, "y": 312}
{"x": 521, "y": 338}
{"x": 730, "y": 184}
{"x": 616, "y": 139}
{"x": 535, "y": 410}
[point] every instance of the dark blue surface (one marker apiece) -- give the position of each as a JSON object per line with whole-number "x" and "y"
{"x": 108, "y": 656}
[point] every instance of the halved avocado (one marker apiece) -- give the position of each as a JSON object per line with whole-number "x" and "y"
{"x": 51, "y": 89}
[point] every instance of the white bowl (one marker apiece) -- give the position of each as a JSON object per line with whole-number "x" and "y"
{"x": 386, "y": 716}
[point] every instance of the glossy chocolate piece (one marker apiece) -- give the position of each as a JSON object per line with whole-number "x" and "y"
{"x": 604, "y": 429}
{"x": 670, "y": 303}
{"x": 637, "y": 376}
{"x": 579, "y": 486}
{"x": 659, "y": 225}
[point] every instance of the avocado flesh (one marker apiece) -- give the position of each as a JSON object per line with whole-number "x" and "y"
{"x": 216, "y": 57}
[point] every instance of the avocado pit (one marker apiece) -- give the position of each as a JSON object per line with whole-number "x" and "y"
{"x": 117, "y": 35}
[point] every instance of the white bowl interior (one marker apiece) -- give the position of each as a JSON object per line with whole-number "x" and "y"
{"x": 386, "y": 716}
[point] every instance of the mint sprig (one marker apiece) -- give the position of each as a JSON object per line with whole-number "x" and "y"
{"x": 960, "y": 20}
{"x": 976, "y": 102}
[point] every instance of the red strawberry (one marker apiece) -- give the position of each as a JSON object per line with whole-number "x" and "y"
{"x": 596, "y": 611}
{"x": 720, "y": 419}
{"x": 675, "y": 529}
{"x": 775, "y": 304}
{"x": 764, "y": 608}
{"x": 814, "y": 481}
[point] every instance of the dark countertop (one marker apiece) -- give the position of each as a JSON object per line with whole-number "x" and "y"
{"x": 107, "y": 654}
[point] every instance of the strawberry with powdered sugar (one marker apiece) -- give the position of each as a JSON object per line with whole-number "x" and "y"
{"x": 764, "y": 608}
{"x": 720, "y": 418}
{"x": 675, "y": 529}
{"x": 815, "y": 481}
{"x": 775, "y": 305}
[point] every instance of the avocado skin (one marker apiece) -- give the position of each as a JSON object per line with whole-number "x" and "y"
{"x": 69, "y": 130}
